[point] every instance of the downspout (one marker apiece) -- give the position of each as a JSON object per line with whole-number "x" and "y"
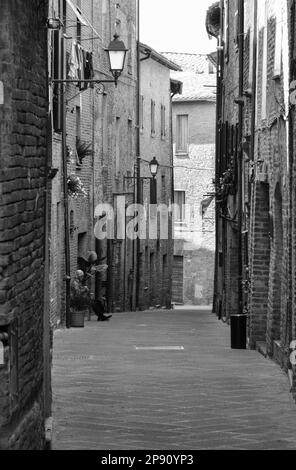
{"x": 239, "y": 331}
{"x": 292, "y": 73}
{"x": 217, "y": 157}
{"x": 254, "y": 84}
{"x": 46, "y": 309}
{"x": 138, "y": 153}
{"x": 65, "y": 189}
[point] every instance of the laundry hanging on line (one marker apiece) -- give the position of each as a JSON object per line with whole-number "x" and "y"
{"x": 80, "y": 66}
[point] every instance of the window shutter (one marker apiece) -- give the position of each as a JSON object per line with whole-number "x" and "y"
{"x": 182, "y": 134}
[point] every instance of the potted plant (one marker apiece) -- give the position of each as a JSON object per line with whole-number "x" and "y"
{"x": 83, "y": 150}
{"x": 79, "y": 301}
{"x": 76, "y": 187}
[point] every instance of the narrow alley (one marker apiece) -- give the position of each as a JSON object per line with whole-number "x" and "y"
{"x": 166, "y": 380}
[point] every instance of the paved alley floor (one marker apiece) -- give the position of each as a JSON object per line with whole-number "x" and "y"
{"x": 165, "y": 380}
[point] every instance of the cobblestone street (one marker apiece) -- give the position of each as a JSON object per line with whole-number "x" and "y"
{"x": 166, "y": 380}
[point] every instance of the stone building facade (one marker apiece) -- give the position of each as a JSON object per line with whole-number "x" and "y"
{"x": 193, "y": 115}
{"x": 155, "y": 253}
{"x": 23, "y": 176}
{"x": 254, "y": 260}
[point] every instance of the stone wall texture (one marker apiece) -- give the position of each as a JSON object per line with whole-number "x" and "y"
{"x": 194, "y": 174}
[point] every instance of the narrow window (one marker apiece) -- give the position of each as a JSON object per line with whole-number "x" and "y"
{"x": 117, "y": 145}
{"x": 182, "y": 134}
{"x": 163, "y": 123}
{"x": 253, "y": 17}
{"x": 78, "y": 26}
{"x": 278, "y": 40}
{"x": 78, "y": 123}
{"x": 141, "y": 112}
{"x": 226, "y": 29}
{"x": 264, "y": 65}
{"x": 179, "y": 198}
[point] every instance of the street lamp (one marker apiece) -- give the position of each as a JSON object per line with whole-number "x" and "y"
{"x": 116, "y": 54}
{"x": 154, "y": 165}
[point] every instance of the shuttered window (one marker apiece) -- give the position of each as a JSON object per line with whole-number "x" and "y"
{"x": 152, "y": 117}
{"x": 141, "y": 112}
{"x": 163, "y": 123}
{"x": 182, "y": 134}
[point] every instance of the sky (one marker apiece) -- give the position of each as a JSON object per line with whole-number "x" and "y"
{"x": 175, "y": 25}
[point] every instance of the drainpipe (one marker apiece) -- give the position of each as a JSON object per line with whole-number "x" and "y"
{"x": 254, "y": 84}
{"x": 217, "y": 157}
{"x": 65, "y": 190}
{"x": 138, "y": 153}
{"x": 46, "y": 311}
{"x": 239, "y": 321}
{"x": 215, "y": 308}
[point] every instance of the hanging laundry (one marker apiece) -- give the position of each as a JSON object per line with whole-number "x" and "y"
{"x": 80, "y": 65}
{"x": 89, "y": 70}
{"x": 73, "y": 62}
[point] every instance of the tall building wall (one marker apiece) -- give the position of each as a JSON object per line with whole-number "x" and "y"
{"x": 23, "y": 141}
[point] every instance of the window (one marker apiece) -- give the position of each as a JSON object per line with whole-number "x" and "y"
{"x": 117, "y": 145}
{"x": 82, "y": 244}
{"x": 179, "y": 210}
{"x": 226, "y": 29}
{"x": 211, "y": 68}
{"x": 130, "y": 137}
{"x": 163, "y": 123}
{"x": 278, "y": 41}
{"x": 78, "y": 26}
{"x": 252, "y": 38}
{"x": 182, "y": 134}
{"x": 152, "y": 117}
{"x": 141, "y": 112}
{"x": 78, "y": 123}
{"x": 264, "y": 63}
{"x": 236, "y": 24}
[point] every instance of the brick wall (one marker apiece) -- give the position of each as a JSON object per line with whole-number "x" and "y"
{"x": 96, "y": 110}
{"x": 23, "y": 119}
{"x": 267, "y": 221}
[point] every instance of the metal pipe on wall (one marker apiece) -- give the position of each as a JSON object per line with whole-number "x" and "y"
{"x": 138, "y": 152}
{"x": 65, "y": 186}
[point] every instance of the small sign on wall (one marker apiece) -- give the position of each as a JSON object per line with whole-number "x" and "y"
{"x": 1, "y": 93}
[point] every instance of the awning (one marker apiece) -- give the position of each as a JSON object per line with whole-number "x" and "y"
{"x": 77, "y": 13}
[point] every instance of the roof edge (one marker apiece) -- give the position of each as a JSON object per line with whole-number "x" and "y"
{"x": 159, "y": 57}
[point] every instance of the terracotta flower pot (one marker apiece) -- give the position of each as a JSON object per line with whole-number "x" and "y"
{"x": 77, "y": 318}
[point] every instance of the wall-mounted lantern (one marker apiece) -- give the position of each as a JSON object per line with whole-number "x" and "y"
{"x": 116, "y": 54}
{"x": 154, "y": 165}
